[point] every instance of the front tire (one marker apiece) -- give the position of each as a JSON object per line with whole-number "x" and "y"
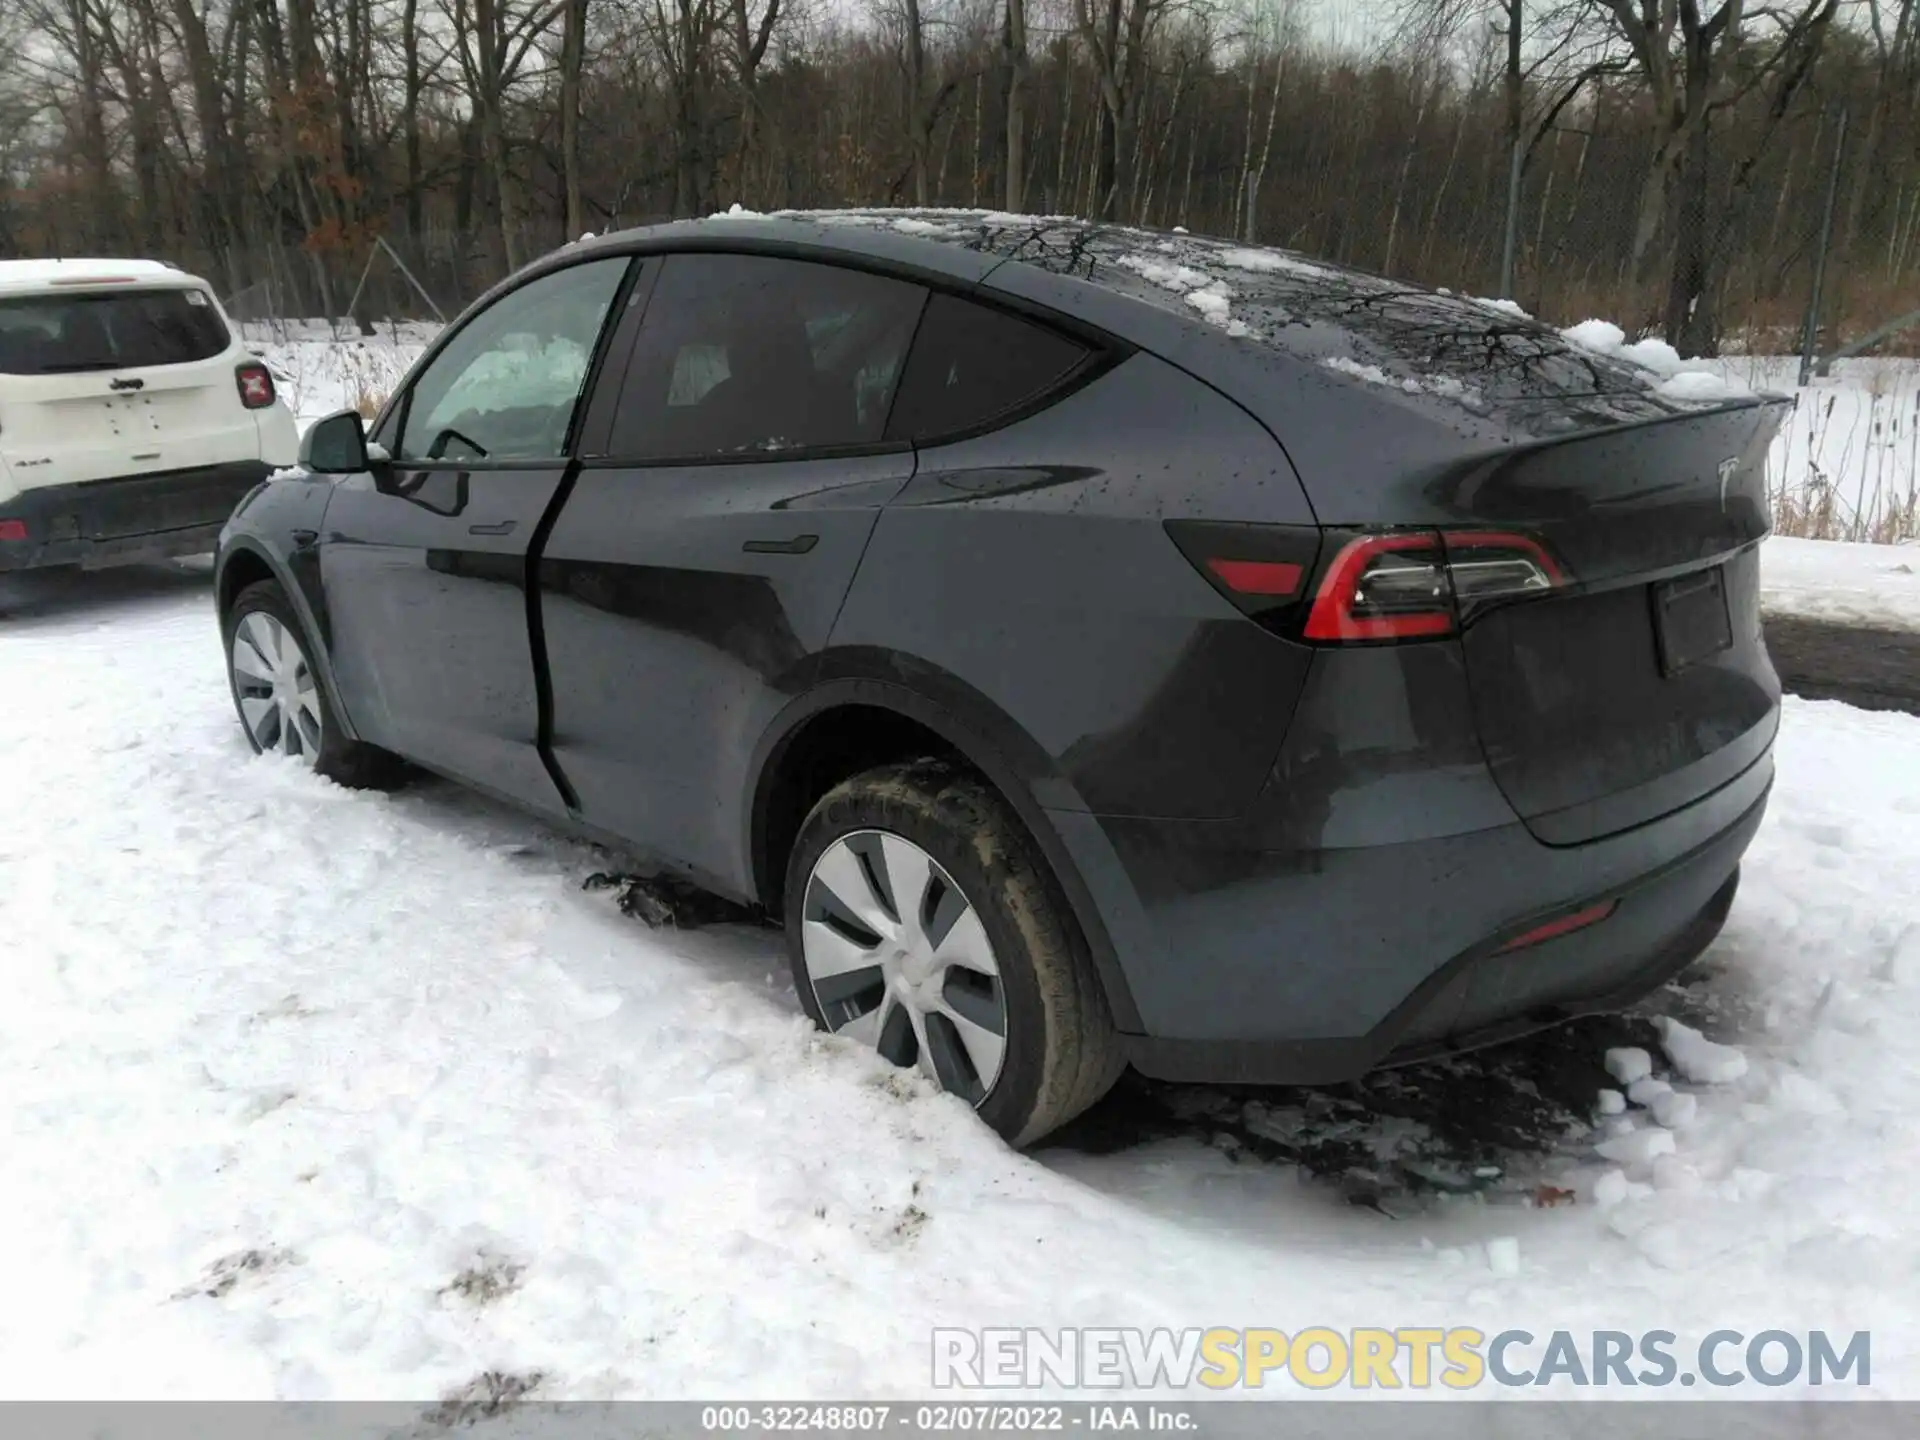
{"x": 282, "y": 698}
{"x": 922, "y": 921}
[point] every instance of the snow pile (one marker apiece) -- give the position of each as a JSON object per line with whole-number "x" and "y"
{"x": 1699, "y": 386}
{"x": 1629, "y": 1064}
{"x": 1697, "y": 1058}
{"x": 1444, "y": 385}
{"x": 1269, "y": 262}
{"x": 1672, "y": 377}
{"x": 1206, "y": 293}
{"x": 1511, "y": 308}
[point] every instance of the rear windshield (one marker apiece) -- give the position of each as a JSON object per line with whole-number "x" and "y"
{"x": 118, "y": 330}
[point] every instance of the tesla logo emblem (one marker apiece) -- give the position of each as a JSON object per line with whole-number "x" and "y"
{"x": 1727, "y": 469}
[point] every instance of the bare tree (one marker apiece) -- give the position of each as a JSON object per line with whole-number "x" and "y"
{"x": 1694, "y": 65}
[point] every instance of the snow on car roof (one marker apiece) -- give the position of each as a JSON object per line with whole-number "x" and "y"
{"x": 39, "y": 274}
{"x": 1463, "y": 353}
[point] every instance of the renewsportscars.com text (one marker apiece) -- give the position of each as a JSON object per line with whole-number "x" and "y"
{"x": 1401, "y": 1358}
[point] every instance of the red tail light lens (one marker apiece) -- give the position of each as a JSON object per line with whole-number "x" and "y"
{"x": 1384, "y": 587}
{"x": 256, "y": 385}
{"x": 13, "y": 529}
{"x": 1414, "y": 585}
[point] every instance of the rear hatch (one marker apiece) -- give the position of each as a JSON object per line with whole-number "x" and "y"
{"x": 1643, "y": 683}
{"x": 1633, "y": 684}
{"x": 102, "y": 382}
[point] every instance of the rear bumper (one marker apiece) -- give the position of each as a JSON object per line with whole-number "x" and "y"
{"x": 1265, "y": 967}
{"x": 140, "y": 517}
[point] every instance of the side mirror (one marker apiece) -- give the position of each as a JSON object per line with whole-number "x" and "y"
{"x": 336, "y": 445}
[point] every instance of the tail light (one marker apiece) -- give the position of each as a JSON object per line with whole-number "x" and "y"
{"x": 1376, "y": 588}
{"x": 256, "y": 385}
{"x": 1420, "y": 584}
{"x": 13, "y": 529}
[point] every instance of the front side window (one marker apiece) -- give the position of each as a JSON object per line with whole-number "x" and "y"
{"x": 747, "y": 356}
{"x": 113, "y": 330}
{"x": 505, "y": 386}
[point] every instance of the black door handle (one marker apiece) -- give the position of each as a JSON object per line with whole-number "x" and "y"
{"x": 798, "y": 545}
{"x": 505, "y": 527}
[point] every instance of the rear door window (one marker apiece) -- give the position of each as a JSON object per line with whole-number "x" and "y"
{"x": 972, "y": 365}
{"x": 116, "y": 330}
{"x": 749, "y": 356}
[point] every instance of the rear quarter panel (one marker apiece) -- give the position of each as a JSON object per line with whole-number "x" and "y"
{"x": 1032, "y": 566}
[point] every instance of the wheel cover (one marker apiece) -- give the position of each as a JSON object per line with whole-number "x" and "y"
{"x": 279, "y": 699}
{"x": 899, "y": 961}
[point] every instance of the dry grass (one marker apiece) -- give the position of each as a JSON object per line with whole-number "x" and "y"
{"x": 368, "y": 399}
{"x": 1862, "y": 478}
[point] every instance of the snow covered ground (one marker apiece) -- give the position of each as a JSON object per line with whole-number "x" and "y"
{"x": 1847, "y": 583}
{"x": 317, "y": 1094}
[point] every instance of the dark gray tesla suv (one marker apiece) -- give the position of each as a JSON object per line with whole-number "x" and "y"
{"x": 1098, "y": 647}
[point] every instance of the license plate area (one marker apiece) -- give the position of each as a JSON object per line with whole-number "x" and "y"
{"x": 1690, "y": 619}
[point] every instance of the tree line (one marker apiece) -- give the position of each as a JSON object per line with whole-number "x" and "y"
{"x": 1666, "y": 163}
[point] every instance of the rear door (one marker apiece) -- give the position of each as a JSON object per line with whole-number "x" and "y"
{"x": 109, "y": 380}
{"x": 696, "y": 568}
{"x": 424, "y": 558}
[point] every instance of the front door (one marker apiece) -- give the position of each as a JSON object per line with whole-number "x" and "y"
{"x": 424, "y": 557}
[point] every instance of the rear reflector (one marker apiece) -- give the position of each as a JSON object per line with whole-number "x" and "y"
{"x": 1262, "y": 570}
{"x": 1565, "y": 925}
{"x": 256, "y": 385}
{"x": 1258, "y": 577}
{"x": 13, "y": 529}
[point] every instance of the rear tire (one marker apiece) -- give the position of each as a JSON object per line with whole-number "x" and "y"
{"x": 283, "y": 699}
{"x": 899, "y": 967}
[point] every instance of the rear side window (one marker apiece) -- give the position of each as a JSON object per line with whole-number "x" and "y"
{"x": 748, "y": 355}
{"x": 971, "y": 364}
{"x": 118, "y": 330}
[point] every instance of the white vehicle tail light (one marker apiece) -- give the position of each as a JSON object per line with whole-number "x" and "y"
{"x": 255, "y": 382}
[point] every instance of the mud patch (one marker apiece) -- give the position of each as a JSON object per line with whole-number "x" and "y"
{"x": 1467, "y": 1124}
{"x": 230, "y": 1272}
{"x": 487, "y": 1279}
{"x": 488, "y": 1394}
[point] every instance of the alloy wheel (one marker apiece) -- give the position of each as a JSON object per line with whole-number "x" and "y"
{"x": 899, "y": 960}
{"x": 279, "y": 698}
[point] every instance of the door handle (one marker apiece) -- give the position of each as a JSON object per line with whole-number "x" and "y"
{"x": 505, "y": 527}
{"x": 798, "y": 545}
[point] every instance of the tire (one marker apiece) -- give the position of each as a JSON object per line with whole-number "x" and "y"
{"x": 269, "y": 662}
{"x": 1059, "y": 1052}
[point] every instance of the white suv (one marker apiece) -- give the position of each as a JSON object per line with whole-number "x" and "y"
{"x": 132, "y": 419}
